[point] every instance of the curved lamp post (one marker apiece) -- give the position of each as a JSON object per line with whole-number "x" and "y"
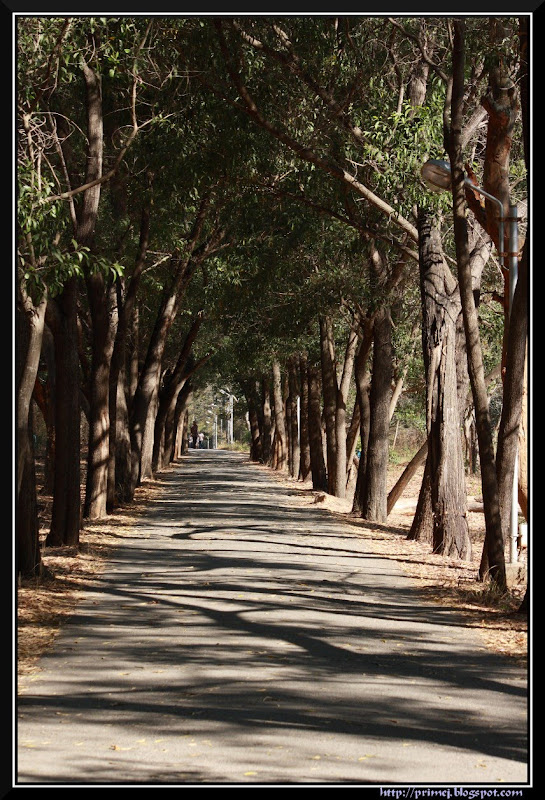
{"x": 437, "y": 175}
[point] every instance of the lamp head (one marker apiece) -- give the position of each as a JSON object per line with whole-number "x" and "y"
{"x": 436, "y": 174}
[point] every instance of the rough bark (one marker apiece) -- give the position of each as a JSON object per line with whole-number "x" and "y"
{"x": 119, "y": 490}
{"x": 494, "y": 537}
{"x": 66, "y": 508}
{"x": 335, "y": 391}
{"x": 104, "y": 321}
{"x": 102, "y": 334}
{"x": 304, "y": 465}
{"x": 512, "y": 430}
{"x": 29, "y": 326}
{"x": 363, "y": 384}
{"x": 317, "y": 461}
{"x": 119, "y": 471}
{"x": 44, "y": 395}
{"x": 267, "y": 418}
{"x": 422, "y": 525}
{"x": 329, "y": 390}
{"x": 513, "y": 385}
{"x": 440, "y": 312}
{"x": 292, "y": 400}
{"x": 181, "y": 422}
{"x": 352, "y": 440}
{"x": 66, "y": 511}
{"x": 281, "y": 440}
{"x": 523, "y": 449}
{"x": 256, "y": 450}
{"x": 374, "y": 490}
{"x": 340, "y": 409}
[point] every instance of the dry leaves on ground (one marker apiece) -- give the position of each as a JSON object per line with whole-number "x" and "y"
{"x": 44, "y": 604}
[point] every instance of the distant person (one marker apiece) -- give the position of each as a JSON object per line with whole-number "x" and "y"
{"x": 194, "y": 433}
{"x": 201, "y": 440}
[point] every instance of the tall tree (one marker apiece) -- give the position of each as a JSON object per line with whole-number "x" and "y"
{"x": 494, "y": 535}
{"x": 441, "y": 310}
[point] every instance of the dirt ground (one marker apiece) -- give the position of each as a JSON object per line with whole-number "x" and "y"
{"x": 44, "y": 604}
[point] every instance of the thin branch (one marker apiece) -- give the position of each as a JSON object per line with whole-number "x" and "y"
{"x": 306, "y": 153}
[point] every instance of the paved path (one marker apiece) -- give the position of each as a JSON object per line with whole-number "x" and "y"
{"x": 239, "y": 637}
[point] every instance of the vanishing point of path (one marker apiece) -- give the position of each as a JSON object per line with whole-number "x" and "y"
{"x": 239, "y": 636}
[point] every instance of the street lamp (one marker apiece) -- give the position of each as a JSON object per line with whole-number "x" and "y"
{"x": 230, "y": 422}
{"x": 437, "y": 175}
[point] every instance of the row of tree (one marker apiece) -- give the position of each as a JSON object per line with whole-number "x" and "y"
{"x": 244, "y": 193}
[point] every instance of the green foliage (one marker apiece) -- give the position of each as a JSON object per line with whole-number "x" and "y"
{"x": 399, "y": 144}
{"x": 43, "y": 228}
{"x": 295, "y": 240}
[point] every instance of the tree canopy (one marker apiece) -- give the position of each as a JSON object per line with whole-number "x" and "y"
{"x": 201, "y": 198}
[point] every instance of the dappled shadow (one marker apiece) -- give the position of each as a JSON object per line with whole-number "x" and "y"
{"x": 232, "y": 610}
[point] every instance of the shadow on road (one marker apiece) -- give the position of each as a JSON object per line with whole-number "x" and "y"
{"x": 232, "y": 608}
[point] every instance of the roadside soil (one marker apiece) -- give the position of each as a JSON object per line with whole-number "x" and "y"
{"x": 44, "y": 604}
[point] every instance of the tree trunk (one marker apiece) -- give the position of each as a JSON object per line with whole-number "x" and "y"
{"x": 317, "y": 462}
{"x": 363, "y": 384}
{"x": 66, "y": 509}
{"x": 502, "y": 109}
{"x": 267, "y": 419}
{"x": 494, "y": 536}
{"x": 513, "y": 387}
{"x": 28, "y": 561}
{"x": 119, "y": 486}
{"x": 45, "y": 394}
{"x": 181, "y": 422}
{"x": 422, "y": 525}
{"x": 406, "y": 476}
{"x": 143, "y": 409}
{"x": 374, "y": 491}
{"x": 29, "y": 326}
{"x": 340, "y": 408}
{"x": 281, "y": 446}
{"x": 256, "y": 451}
{"x": 329, "y": 389}
{"x": 523, "y": 443}
{"x": 304, "y": 465}
{"x": 524, "y": 31}
{"x": 292, "y": 402}
{"x": 352, "y": 441}
{"x": 440, "y": 311}
{"x": 471, "y": 448}
{"x": 104, "y": 321}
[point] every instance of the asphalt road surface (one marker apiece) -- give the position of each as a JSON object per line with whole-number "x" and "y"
{"x": 240, "y": 637}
